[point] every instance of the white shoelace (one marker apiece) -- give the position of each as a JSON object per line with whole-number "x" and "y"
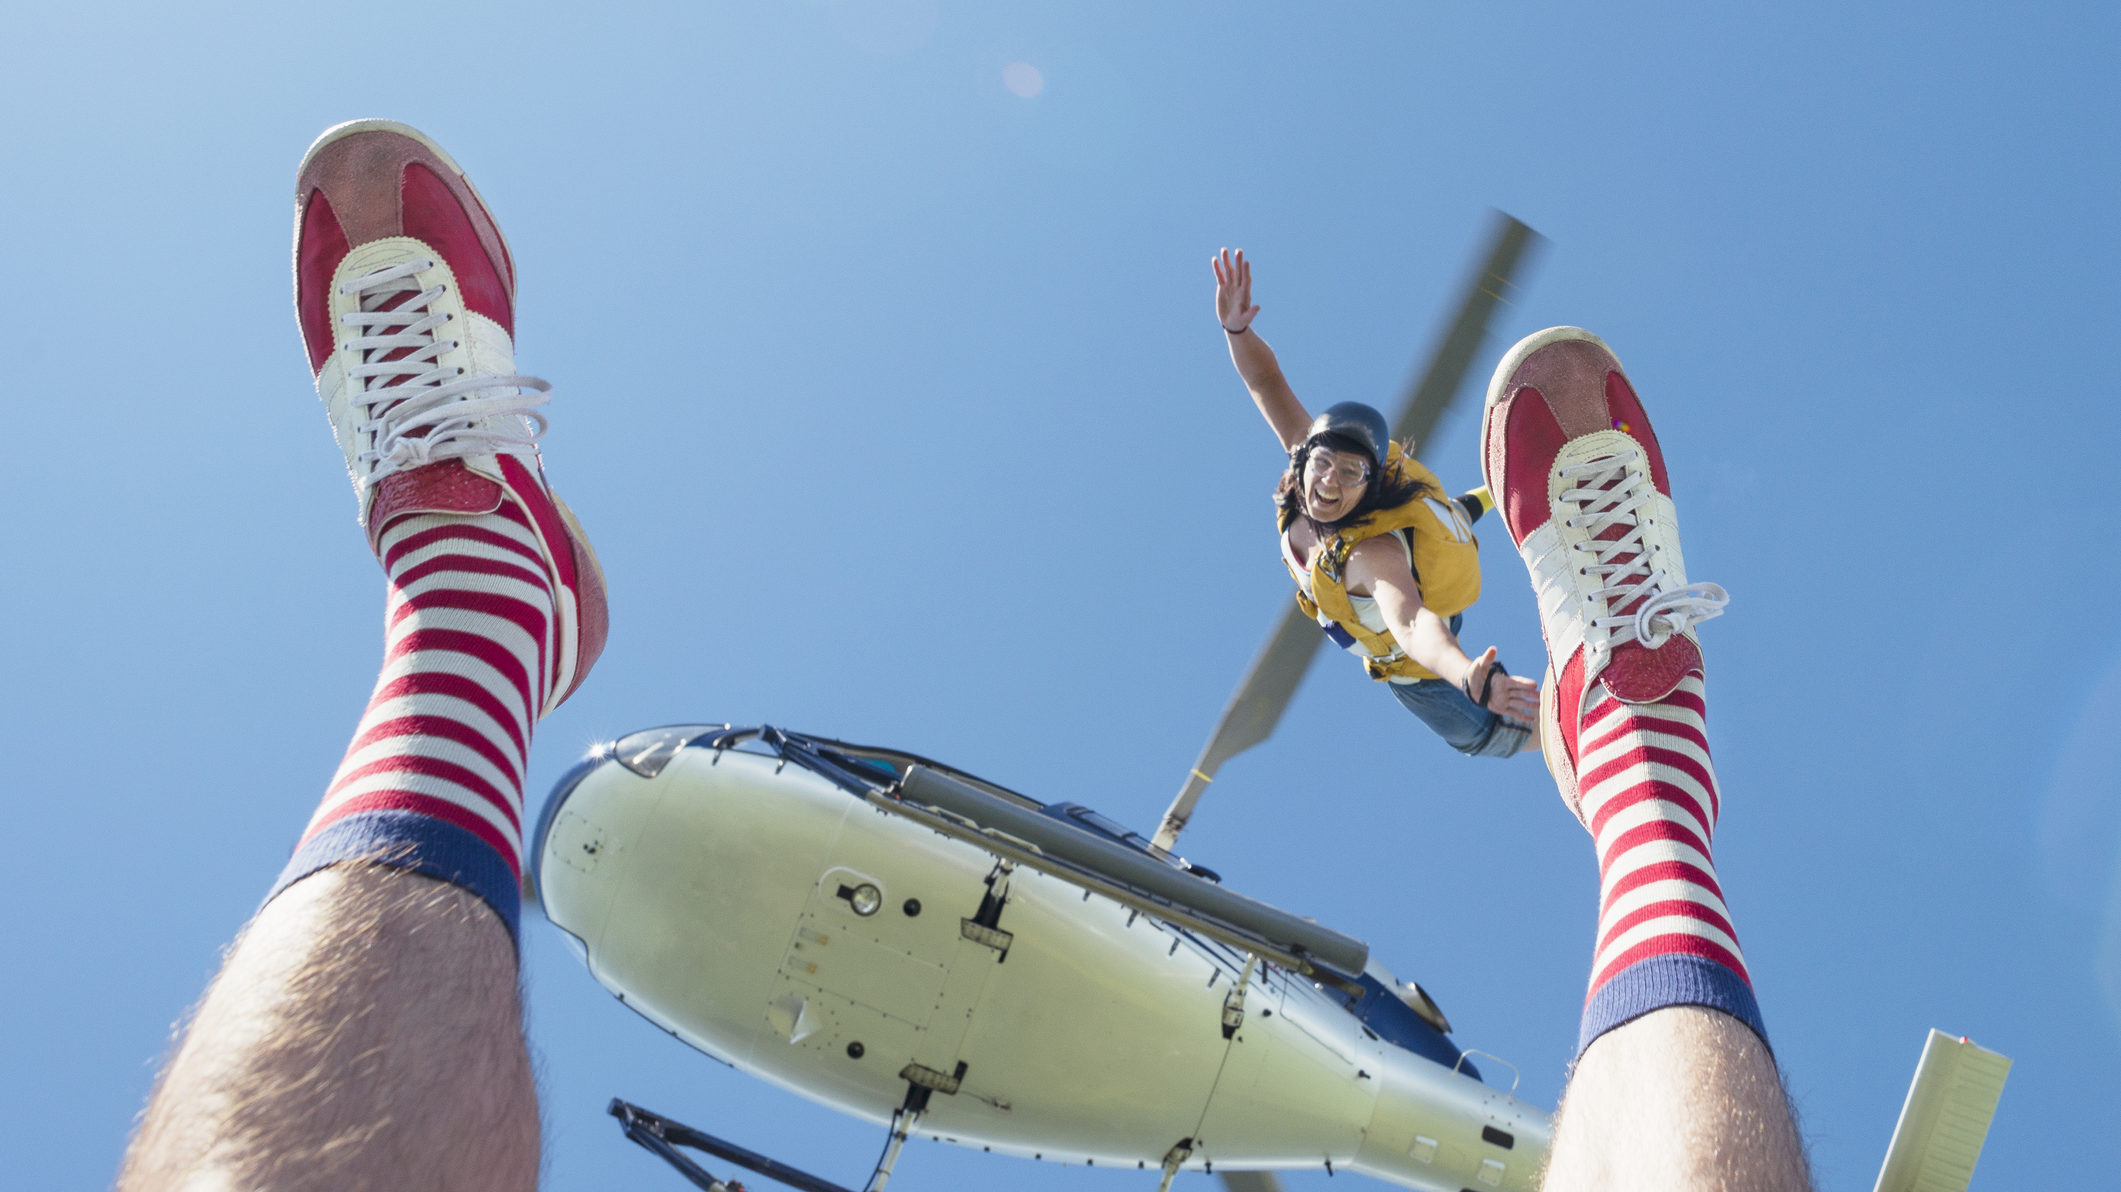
{"x": 1667, "y": 608}
{"x": 432, "y": 412}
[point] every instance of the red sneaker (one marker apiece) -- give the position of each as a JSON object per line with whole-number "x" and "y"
{"x": 405, "y": 293}
{"x": 1580, "y": 480}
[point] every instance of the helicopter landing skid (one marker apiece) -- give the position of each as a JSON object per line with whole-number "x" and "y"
{"x": 662, "y": 1137}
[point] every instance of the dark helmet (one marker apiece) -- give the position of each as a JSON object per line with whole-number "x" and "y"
{"x": 1353, "y": 426}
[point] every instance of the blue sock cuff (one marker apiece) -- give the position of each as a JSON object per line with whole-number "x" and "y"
{"x": 1669, "y": 980}
{"x": 423, "y": 844}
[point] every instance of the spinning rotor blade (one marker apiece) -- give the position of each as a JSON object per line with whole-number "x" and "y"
{"x": 1425, "y": 404}
{"x": 1252, "y": 714}
{"x": 1271, "y": 682}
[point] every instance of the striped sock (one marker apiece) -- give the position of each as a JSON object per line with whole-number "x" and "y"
{"x": 433, "y": 781}
{"x": 1650, "y": 798}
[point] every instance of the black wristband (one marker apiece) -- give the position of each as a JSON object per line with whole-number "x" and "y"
{"x": 1239, "y": 331}
{"x": 1487, "y": 683}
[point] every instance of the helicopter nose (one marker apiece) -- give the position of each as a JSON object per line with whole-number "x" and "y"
{"x": 534, "y": 871}
{"x": 594, "y": 799}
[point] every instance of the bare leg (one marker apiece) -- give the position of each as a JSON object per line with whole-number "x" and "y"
{"x": 1674, "y": 1085}
{"x": 365, "y": 1032}
{"x": 1681, "y": 1098}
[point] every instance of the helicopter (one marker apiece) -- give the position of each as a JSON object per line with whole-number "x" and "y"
{"x": 913, "y": 945}
{"x": 923, "y": 949}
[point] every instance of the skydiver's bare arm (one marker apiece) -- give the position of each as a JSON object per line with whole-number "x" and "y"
{"x": 1378, "y": 567}
{"x": 1254, "y": 359}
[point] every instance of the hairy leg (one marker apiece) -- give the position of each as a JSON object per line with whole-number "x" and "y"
{"x": 1681, "y": 1098}
{"x": 1674, "y": 1085}
{"x": 364, "y": 1032}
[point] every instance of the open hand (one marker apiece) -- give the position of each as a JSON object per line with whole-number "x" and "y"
{"x": 1509, "y": 696}
{"x": 1233, "y": 291}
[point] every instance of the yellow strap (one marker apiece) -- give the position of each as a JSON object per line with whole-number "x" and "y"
{"x": 1202, "y": 777}
{"x": 1332, "y": 600}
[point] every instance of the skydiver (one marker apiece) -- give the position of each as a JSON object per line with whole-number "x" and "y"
{"x": 365, "y": 1029}
{"x": 1381, "y": 558}
{"x": 1674, "y": 1085}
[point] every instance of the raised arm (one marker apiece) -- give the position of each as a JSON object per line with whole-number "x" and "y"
{"x": 1380, "y": 565}
{"x": 1254, "y": 359}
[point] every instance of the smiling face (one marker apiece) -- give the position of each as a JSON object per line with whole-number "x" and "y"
{"x": 1334, "y": 481}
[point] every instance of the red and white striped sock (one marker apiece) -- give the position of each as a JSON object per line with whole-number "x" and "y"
{"x": 433, "y": 780}
{"x": 1649, "y": 797}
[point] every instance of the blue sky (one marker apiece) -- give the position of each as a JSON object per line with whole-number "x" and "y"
{"x": 894, "y": 403}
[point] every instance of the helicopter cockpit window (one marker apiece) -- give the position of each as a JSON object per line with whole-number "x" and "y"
{"x": 648, "y": 751}
{"x": 1106, "y": 826}
{"x": 874, "y": 769}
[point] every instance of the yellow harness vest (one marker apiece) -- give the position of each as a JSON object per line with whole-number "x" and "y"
{"x": 1446, "y": 560}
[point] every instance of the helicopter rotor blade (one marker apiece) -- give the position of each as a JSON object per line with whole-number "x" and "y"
{"x": 1426, "y": 402}
{"x": 1252, "y": 713}
{"x": 1275, "y": 673}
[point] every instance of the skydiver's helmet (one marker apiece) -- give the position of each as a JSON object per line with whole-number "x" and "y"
{"x": 1351, "y": 426}
{"x": 1356, "y": 429}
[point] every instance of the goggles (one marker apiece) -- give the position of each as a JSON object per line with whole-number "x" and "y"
{"x": 1344, "y": 470}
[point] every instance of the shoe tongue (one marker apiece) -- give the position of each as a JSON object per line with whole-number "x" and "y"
{"x": 1626, "y": 608}
{"x": 1625, "y": 559}
{"x": 1636, "y": 673}
{"x": 393, "y": 302}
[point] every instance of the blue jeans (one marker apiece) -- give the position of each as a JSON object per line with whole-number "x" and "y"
{"x": 1463, "y": 724}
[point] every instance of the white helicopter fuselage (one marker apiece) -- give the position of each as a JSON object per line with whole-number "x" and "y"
{"x": 720, "y": 898}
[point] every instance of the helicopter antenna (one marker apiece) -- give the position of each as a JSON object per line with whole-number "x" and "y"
{"x": 1275, "y": 673}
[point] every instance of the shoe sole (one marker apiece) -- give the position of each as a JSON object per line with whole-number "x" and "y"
{"x": 1552, "y": 749}
{"x": 592, "y": 630}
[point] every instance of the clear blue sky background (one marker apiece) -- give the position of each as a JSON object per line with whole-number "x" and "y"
{"x": 896, "y": 407}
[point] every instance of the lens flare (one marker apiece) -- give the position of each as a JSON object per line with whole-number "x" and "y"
{"x": 1023, "y": 79}
{"x": 2077, "y": 830}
